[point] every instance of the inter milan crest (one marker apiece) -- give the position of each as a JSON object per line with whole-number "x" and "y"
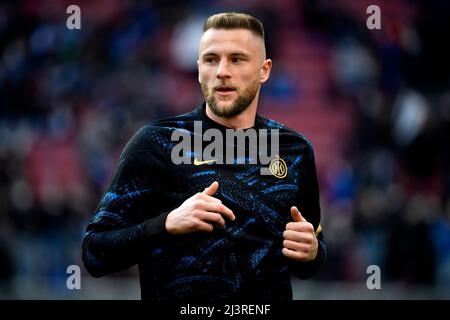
{"x": 278, "y": 167}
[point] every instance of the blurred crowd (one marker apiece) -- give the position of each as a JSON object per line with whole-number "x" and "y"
{"x": 71, "y": 99}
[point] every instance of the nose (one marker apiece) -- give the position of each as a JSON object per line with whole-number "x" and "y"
{"x": 223, "y": 71}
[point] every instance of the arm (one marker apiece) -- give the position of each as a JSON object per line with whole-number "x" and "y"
{"x": 304, "y": 243}
{"x": 118, "y": 233}
{"x": 118, "y": 230}
{"x": 115, "y": 250}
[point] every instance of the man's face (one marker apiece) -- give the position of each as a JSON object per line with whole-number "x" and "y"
{"x": 232, "y": 67}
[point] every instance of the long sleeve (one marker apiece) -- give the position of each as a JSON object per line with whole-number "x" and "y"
{"x": 309, "y": 205}
{"x": 124, "y": 223}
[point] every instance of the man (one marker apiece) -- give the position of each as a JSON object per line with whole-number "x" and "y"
{"x": 205, "y": 229}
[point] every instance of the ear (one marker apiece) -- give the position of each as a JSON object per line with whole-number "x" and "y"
{"x": 265, "y": 70}
{"x": 198, "y": 71}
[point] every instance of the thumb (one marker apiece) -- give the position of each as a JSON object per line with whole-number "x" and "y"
{"x": 211, "y": 189}
{"x": 296, "y": 215}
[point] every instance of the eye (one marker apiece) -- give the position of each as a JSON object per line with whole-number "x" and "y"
{"x": 210, "y": 60}
{"x": 236, "y": 59}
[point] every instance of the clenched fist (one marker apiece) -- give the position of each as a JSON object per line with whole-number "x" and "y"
{"x": 300, "y": 242}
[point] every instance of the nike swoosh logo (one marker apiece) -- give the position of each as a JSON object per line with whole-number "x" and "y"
{"x": 199, "y": 163}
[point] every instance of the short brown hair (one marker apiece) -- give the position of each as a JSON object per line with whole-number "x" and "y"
{"x": 234, "y": 20}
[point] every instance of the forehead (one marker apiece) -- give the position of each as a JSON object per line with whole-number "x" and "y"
{"x": 230, "y": 41}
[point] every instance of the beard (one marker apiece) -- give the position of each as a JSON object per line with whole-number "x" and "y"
{"x": 241, "y": 104}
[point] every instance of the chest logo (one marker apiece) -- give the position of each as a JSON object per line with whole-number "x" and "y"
{"x": 278, "y": 167}
{"x": 199, "y": 163}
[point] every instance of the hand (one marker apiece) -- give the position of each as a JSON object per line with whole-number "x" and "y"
{"x": 198, "y": 212}
{"x": 300, "y": 242}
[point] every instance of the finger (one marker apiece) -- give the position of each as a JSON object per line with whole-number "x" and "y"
{"x": 219, "y": 208}
{"x": 211, "y": 189}
{"x": 211, "y": 199}
{"x": 296, "y": 215}
{"x": 203, "y": 226}
{"x": 296, "y": 236}
{"x": 300, "y": 227}
{"x": 206, "y": 216}
{"x": 294, "y": 254}
{"x": 296, "y": 246}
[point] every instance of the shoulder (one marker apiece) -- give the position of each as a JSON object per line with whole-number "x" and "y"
{"x": 157, "y": 134}
{"x": 173, "y": 122}
{"x": 288, "y": 136}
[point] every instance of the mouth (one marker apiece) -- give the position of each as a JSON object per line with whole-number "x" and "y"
{"x": 224, "y": 89}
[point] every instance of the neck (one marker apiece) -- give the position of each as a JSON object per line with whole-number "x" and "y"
{"x": 244, "y": 120}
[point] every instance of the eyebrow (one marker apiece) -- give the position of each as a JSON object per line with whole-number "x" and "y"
{"x": 234, "y": 54}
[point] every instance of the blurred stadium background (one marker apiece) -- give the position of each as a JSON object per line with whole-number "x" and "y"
{"x": 374, "y": 103}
